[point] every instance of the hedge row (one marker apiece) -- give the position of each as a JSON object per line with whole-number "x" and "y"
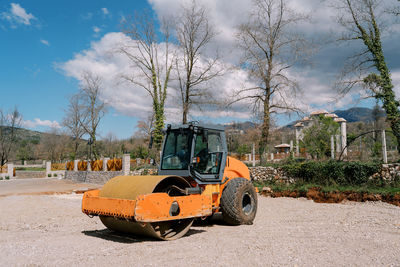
{"x": 332, "y": 172}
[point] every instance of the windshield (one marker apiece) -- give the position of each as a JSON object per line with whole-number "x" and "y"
{"x": 176, "y": 155}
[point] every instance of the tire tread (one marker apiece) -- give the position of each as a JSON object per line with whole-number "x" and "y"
{"x": 231, "y": 202}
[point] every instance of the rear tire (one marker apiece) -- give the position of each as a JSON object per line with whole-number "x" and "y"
{"x": 239, "y": 202}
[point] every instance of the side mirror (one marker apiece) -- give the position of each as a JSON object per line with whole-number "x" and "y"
{"x": 195, "y": 160}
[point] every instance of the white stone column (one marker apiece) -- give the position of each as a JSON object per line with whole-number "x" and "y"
{"x": 343, "y": 133}
{"x": 272, "y": 156}
{"x": 298, "y": 130}
{"x": 126, "y": 164}
{"x": 10, "y": 170}
{"x": 48, "y": 167}
{"x": 105, "y": 160}
{"x": 332, "y": 147}
{"x": 338, "y": 145}
{"x": 89, "y": 168}
{"x": 384, "y": 151}
{"x": 76, "y": 164}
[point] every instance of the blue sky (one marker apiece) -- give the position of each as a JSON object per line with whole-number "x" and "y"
{"x": 30, "y": 53}
{"x": 44, "y": 44}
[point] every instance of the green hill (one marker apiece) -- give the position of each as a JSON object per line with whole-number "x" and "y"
{"x": 359, "y": 114}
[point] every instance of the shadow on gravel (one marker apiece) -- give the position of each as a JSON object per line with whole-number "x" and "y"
{"x": 215, "y": 219}
{"x": 109, "y": 235}
{"x": 117, "y": 237}
{"x": 193, "y": 232}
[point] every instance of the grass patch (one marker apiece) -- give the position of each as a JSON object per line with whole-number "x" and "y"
{"x": 387, "y": 189}
{"x": 30, "y": 169}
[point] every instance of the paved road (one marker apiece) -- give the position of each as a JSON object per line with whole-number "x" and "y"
{"x": 40, "y": 185}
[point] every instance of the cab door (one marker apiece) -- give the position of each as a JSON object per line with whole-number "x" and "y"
{"x": 209, "y": 155}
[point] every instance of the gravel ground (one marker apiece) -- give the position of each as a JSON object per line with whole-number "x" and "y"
{"x": 49, "y": 230}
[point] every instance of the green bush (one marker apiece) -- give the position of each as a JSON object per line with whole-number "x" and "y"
{"x": 49, "y": 175}
{"x": 1, "y": 177}
{"x": 7, "y": 177}
{"x": 332, "y": 172}
{"x": 55, "y": 175}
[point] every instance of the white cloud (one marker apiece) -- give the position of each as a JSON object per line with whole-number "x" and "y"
{"x": 18, "y": 15}
{"x": 105, "y": 11}
{"x": 103, "y": 59}
{"x": 317, "y": 84}
{"x": 38, "y": 122}
{"x": 45, "y": 42}
{"x": 96, "y": 29}
{"x": 395, "y": 75}
{"x": 132, "y": 100}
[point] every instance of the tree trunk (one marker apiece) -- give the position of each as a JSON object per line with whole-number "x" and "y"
{"x": 264, "y": 132}
{"x": 94, "y": 150}
{"x": 76, "y": 149}
{"x": 185, "y": 103}
{"x": 184, "y": 113}
{"x": 159, "y": 126}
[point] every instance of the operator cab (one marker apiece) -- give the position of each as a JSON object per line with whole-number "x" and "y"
{"x": 194, "y": 150}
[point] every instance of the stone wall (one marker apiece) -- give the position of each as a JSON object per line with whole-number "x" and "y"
{"x": 269, "y": 174}
{"x": 93, "y": 177}
{"x": 30, "y": 174}
{"x": 389, "y": 172}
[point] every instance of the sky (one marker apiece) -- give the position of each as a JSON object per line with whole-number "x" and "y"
{"x": 46, "y": 46}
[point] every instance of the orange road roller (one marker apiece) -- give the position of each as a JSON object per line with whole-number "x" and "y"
{"x": 196, "y": 178}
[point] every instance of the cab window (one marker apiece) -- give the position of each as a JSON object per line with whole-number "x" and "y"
{"x": 208, "y": 152}
{"x": 176, "y": 155}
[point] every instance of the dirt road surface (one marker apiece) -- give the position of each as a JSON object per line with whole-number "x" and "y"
{"x": 49, "y": 230}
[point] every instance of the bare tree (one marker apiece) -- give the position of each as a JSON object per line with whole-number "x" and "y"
{"x": 153, "y": 61}
{"x": 395, "y": 10}
{"x": 194, "y": 69}
{"x": 271, "y": 47}
{"x": 110, "y": 144}
{"x": 73, "y": 122}
{"x": 363, "y": 21}
{"x": 93, "y": 108}
{"x": 145, "y": 127}
{"x": 8, "y": 133}
{"x": 54, "y": 144}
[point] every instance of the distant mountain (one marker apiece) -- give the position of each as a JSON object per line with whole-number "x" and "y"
{"x": 359, "y": 114}
{"x": 239, "y": 125}
{"x": 25, "y": 134}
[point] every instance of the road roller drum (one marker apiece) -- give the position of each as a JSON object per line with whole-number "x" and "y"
{"x": 130, "y": 187}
